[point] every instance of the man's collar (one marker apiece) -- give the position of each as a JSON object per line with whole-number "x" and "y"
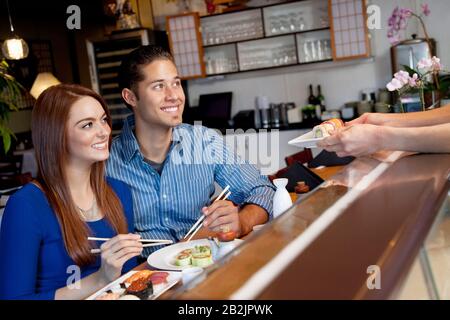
{"x": 130, "y": 144}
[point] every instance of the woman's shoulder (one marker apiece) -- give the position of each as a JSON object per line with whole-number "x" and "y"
{"x": 28, "y": 202}
{"x": 30, "y": 194}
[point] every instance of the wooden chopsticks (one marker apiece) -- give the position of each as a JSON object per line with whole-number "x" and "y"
{"x": 198, "y": 224}
{"x": 150, "y": 243}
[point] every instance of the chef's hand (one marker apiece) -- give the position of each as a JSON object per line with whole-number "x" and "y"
{"x": 357, "y": 140}
{"x": 370, "y": 118}
{"x": 222, "y": 216}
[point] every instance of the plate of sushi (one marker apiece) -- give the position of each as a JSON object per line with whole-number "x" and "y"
{"x": 318, "y": 133}
{"x": 138, "y": 285}
{"x": 182, "y": 255}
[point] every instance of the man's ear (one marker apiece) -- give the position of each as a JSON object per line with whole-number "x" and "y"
{"x": 129, "y": 97}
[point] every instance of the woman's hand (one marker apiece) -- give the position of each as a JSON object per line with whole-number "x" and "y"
{"x": 222, "y": 216}
{"x": 356, "y": 140}
{"x": 117, "y": 251}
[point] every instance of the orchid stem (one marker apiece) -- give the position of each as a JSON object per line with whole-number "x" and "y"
{"x": 422, "y": 99}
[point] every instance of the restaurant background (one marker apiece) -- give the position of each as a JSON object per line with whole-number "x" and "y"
{"x": 341, "y": 82}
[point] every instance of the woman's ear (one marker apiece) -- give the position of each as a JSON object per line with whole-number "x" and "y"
{"x": 129, "y": 97}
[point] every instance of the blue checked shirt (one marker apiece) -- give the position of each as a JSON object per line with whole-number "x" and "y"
{"x": 167, "y": 205}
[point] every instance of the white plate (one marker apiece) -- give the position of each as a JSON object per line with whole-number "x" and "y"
{"x": 158, "y": 289}
{"x": 164, "y": 258}
{"x": 305, "y": 141}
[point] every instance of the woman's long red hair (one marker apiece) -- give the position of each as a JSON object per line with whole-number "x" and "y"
{"x": 49, "y": 122}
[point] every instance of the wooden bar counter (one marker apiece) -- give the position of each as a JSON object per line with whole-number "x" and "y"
{"x": 371, "y": 214}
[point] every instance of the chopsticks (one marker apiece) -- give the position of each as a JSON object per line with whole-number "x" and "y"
{"x": 198, "y": 225}
{"x": 140, "y": 240}
{"x": 152, "y": 243}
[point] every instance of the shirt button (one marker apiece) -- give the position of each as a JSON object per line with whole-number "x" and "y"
{"x": 164, "y": 196}
{"x": 167, "y": 219}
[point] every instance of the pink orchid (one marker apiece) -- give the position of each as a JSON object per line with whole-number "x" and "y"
{"x": 402, "y": 79}
{"x": 413, "y": 81}
{"x": 430, "y": 65}
{"x": 402, "y": 76}
{"x": 426, "y": 9}
{"x": 406, "y": 13}
{"x": 398, "y": 81}
{"x": 425, "y": 64}
{"x": 394, "y": 85}
{"x": 398, "y": 21}
{"x": 436, "y": 64}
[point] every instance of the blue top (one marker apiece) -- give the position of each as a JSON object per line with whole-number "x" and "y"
{"x": 167, "y": 205}
{"x": 34, "y": 261}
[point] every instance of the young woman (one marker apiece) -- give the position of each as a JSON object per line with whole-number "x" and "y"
{"x": 44, "y": 242}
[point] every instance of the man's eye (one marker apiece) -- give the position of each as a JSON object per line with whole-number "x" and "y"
{"x": 177, "y": 84}
{"x": 159, "y": 86}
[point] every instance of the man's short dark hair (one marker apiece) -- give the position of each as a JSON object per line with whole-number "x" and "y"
{"x": 130, "y": 69}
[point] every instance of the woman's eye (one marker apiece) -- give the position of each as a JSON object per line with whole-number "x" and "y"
{"x": 87, "y": 125}
{"x": 105, "y": 119}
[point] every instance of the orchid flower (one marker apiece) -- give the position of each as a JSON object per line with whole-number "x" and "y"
{"x": 430, "y": 65}
{"x": 401, "y": 79}
{"x": 425, "y": 9}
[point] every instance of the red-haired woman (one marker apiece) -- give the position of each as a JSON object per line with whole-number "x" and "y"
{"x": 44, "y": 247}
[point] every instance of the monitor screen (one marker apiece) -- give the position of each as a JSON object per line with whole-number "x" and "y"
{"x": 215, "y": 107}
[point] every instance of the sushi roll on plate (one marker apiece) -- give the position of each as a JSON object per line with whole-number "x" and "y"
{"x": 310, "y": 139}
{"x": 325, "y": 128}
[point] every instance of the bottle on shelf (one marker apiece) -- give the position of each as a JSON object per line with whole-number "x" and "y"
{"x": 321, "y": 99}
{"x": 314, "y": 101}
{"x": 312, "y": 98}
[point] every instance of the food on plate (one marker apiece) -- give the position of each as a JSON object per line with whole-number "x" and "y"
{"x": 140, "y": 285}
{"x": 159, "y": 277}
{"x": 129, "y": 297}
{"x": 226, "y": 236}
{"x": 325, "y": 128}
{"x": 139, "y": 275}
{"x": 141, "y": 288}
{"x": 202, "y": 256}
{"x": 109, "y": 296}
{"x": 199, "y": 256}
{"x": 184, "y": 258}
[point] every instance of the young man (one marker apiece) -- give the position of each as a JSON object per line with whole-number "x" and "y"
{"x": 171, "y": 167}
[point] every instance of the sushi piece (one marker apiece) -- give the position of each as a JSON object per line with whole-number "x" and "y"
{"x": 337, "y": 123}
{"x": 325, "y": 128}
{"x": 143, "y": 274}
{"x": 201, "y": 256}
{"x": 129, "y": 297}
{"x": 183, "y": 258}
{"x": 159, "y": 277}
{"x": 109, "y": 296}
{"x": 141, "y": 288}
{"x": 202, "y": 249}
{"x": 201, "y": 260}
